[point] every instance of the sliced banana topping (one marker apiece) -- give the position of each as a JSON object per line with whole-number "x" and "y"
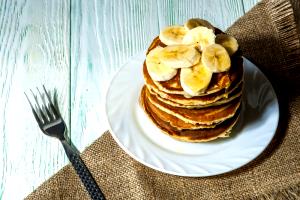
{"x": 156, "y": 69}
{"x": 196, "y": 50}
{"x": 216, "y": 58}
{"x": 172, "y": 35}
{"x": 228, "y": 42}
{"x": 194, "y": 80}
{"x": 179, "y": 56}
{"x": 195, "y": 22}
{"x": 199, "y": 37}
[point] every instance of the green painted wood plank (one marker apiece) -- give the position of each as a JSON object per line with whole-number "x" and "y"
{"x": 221, "y": 13}
{"x": 248, "y": 4}
{"x": 104, "y": 35}
{"x": 34, "y": 49}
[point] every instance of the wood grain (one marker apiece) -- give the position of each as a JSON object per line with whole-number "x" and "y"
{"x": 219, "y": 12}
{"x": 104, "y": 35}
{"x": 34, "y": 50}
{"x": 248, "y": 4}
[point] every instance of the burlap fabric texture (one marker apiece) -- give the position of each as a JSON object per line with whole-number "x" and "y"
{"x": 269, "y": 37}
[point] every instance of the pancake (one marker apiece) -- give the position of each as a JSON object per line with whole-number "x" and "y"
{"x": 231, "y": 96}
{"x": 203, "y": 101}
{"x": 219, "y": 80}
{"x": 208, "y": 115}
{"x": 197, "y": 100}
{"x": 173, "y": 120}
{"x": 189, "y": 135}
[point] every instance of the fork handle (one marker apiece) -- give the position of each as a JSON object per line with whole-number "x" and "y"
{"x": 83, "y": 172}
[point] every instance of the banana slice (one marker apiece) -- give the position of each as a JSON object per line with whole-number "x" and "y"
{"x": 228, "y": 42}
{"x": 179, "y": 56}
{"x": 200, "y": 37}
{"x": 195, "y": 22}
{"x": 157, "y": 70}
{"x": 216, "y": 58}
{"x": 194, "y": 80}
{"x": 172, "y": 35}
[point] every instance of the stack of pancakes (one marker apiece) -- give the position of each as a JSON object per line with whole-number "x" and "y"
{"x": 201, "y": 118}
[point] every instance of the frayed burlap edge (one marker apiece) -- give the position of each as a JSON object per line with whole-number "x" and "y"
{"x": 282, "y": 15}
{"x": 290, "y": 193}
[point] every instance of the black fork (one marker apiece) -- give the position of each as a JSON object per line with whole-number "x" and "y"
{"x": 52, "y": 124}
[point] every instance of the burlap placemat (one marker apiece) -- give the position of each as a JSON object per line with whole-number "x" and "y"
{"x": 268, "y": 36}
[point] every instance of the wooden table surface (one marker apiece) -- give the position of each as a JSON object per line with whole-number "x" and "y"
{"x": 74, "y": 46}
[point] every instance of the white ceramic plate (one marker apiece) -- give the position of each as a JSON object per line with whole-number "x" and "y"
{"x": 142, "y": 140}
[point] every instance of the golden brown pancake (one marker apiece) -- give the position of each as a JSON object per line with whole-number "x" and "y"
{"x": 173, "y": 120}
{"x": 189, "y": 135}
{"x": 197, "y": 100}
{"x": 208, "y": 115}
{"x": 231, "y": 96}
{"x": 176, "y": 122}
{"x": 219, "y": 80}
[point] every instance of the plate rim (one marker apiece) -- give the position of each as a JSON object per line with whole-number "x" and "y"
{"x": 163, "y": 170}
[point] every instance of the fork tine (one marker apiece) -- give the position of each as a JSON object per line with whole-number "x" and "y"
{"x": 45, "y": 107}
{"x": 44, "y": 117}
{"x": 56, "y": 113}
{"x": 34, "y": 112}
